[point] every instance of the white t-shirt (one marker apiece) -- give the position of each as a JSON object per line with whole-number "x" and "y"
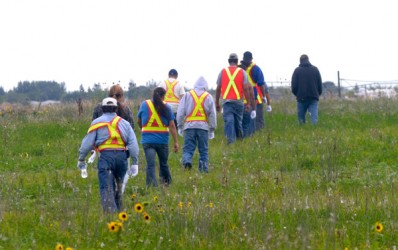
{"x": 179, "y": 91}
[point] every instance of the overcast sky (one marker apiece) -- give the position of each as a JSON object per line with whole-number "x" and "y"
{"x": 97, "y": 41}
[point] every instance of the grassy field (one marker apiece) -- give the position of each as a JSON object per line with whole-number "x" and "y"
{"x": 330, "y": 186}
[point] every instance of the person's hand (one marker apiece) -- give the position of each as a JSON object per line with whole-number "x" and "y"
{"x": 269, "y": 108}
{"x": 81, "y": 165}
{"x": 180, "y": 132}
{"x": 133, "y": 171}
{"x": 253, "y": 114}
{"x": 211, "y": 135}
{"x": 265, "y": 100}
{"x": 92, "y": 157}
{"x": 176, "y": 147}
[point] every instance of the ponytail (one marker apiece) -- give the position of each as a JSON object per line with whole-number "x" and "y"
{"x": 160, "y": 106}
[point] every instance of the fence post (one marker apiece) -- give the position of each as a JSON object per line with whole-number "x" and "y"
{"x": 338, "y": 83}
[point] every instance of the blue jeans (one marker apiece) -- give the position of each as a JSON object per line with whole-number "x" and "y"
{"x": 312, "y": 107}
{"x": 162, "y": 150}
{"x": 233, "y": 115}
{"x": 193, "y": 137}
{"x": 248, "y": 124}
{"x": 112, "y": 166}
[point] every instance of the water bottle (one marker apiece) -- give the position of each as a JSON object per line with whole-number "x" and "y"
{"x": 84, "y": 172}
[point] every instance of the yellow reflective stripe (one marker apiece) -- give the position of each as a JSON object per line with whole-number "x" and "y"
{"x": 170, "y": 96}
{"x": 97, "y": 126}
{"x": 154, "y": 117}
{"x": 249, "y": 76}
{"x": 114, "y": 140}
{"x": 198, "y": 107}
{"x": 231, "y": 83}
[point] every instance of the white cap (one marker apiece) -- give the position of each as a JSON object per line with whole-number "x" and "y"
{"x": 109, "y": 101}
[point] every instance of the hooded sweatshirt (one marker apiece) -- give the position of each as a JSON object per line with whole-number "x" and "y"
{"x": 187, "y": 104}
{"x": 306, "y": 82}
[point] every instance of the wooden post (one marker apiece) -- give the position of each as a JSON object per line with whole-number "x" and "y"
{"x": 338, "y": 83}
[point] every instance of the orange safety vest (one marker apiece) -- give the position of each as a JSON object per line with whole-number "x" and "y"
{"x": 114, "y": 140}
{"x": 154, "y": 124}
{"x": 259, "y": 99}
{"x": 170, "y": 97}
{"x": 232, "y": 83}
{"x": 198, "y": 113}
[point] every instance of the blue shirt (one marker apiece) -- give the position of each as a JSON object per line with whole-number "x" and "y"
{"x": 154, "y": 137}
{"x": 98, "y": 136}
{"x": 258, "y": 78}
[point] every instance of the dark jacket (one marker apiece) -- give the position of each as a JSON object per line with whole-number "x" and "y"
{"x": 306, "y": 82}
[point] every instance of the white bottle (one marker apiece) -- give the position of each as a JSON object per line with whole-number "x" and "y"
{"x": 84, "y": 173}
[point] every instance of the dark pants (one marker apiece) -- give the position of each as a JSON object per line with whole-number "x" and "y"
{"x": 162, "y": 150}
{"x": 112, "y": 166}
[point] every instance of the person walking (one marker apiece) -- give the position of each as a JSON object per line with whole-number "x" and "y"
{"x": 197, "y": 121}
{"x": 174, "y": 91}
{"x": 124, "y": 111}
{"x": 111, "y": 135}
{"x": 260, "y": 88}
{"x": 233, "y": 86}
{"x": 307, "y": 87}
{"x": 155, "y": 118}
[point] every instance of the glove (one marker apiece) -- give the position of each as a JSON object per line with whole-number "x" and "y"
{"x": 82, "y": 165}
{"x": 92, "y": 157}
{"x": 180, "y": 132}
{"x": 253, "y": 114}
{"x": 265, "y": 100}
{"x": 269, "y": 108}
{"x": 211, "y": 135}
{"x": 133, "y": 171}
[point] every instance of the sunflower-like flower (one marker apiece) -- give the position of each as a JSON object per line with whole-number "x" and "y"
{"x": 378, "y": 227}
{"x": 139, "y": 208}
{"x": 133, "y": 196}
{"x": 68, "y": 248}
{"x": 113, "y": 227}
{"x": 147, "y": 218}
{"x": 59, "y": 247}
{"x": 120, "y": 225}
{"x": 155, "y": 199}
{"x": 123, "y": 216}
{"x": 180, "y": 204}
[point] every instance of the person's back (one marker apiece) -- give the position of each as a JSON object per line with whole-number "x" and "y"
{"x": 306, "y": 81}
{"x": 307, "y": 87}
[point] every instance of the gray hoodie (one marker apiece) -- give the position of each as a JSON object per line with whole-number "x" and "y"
{"x": 186, "y": 106}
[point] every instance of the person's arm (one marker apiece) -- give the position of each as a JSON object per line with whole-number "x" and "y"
{"x": 294, "y": 83}
{"x": 218, "y": 93}
{"x": 87, "y": 145}
{"x": 181, "y": 113}
{"x": 173, "y": 131}
{"x": 132, "y": 144}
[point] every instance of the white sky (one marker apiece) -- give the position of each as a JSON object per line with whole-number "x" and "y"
{"x": 104, "y": 41}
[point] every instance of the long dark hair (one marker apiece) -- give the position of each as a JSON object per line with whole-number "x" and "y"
{"x": 160, "y": 106}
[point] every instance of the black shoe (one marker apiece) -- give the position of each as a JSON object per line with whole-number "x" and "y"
{"x": 187, "y": 165}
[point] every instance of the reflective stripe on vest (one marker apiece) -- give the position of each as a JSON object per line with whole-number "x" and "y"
{"x": 154, "y": 124}
{"x": 170, "y": 97}
{"x": 259, "y": 98}
{"x": 231, "y": 84}
{"x": 198, "y": 112}
{"x": 114, "y": 140}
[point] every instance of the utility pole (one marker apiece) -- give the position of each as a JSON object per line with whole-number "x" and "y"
{"x": 338, "y": 83}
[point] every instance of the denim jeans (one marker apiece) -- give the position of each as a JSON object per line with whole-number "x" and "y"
{"x": 193, "y": 137}
{"x": 260, "y": 121}
{"x": 162, "y": 150}
{"x": 312, "y": 107}
{"x": 112, "y": 166}
{"x": 248, "y": 124}
{"x": 233, "y": 115}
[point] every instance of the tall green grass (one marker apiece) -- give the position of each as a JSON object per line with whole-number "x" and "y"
{"x": 288, "y": 187}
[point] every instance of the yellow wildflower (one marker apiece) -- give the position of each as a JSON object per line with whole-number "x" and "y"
{"x": 123, "y": 216}
{"x": 139, "y": 208}
{"x": 378, "y": 227}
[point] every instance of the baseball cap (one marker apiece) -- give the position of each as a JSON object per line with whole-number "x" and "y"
{"x": 109, "y": 101}
{"x": 247, "y": 55}
{"x": 173, "y": 72}
{"x": 233, "y": 56}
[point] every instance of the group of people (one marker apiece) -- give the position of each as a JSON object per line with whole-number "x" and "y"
{"x": 192, "y": 115}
